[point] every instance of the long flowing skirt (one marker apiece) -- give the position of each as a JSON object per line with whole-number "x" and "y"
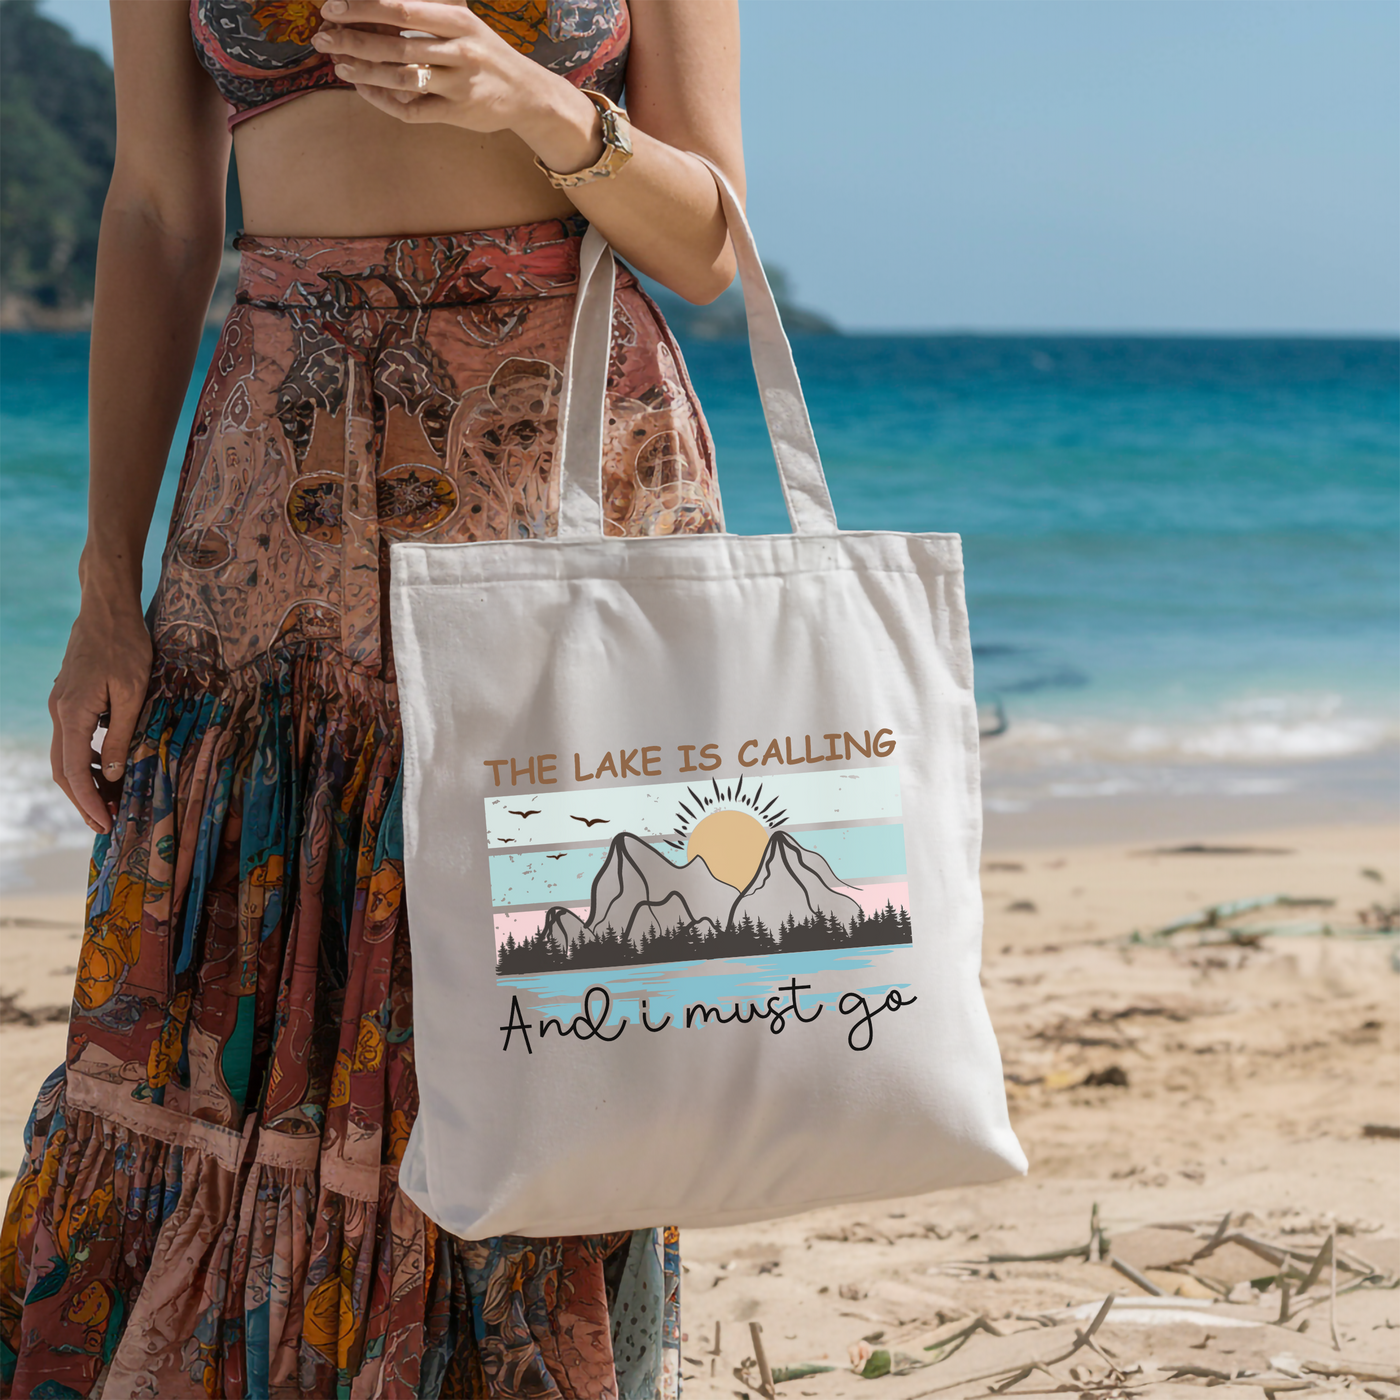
{"x": 208, "y": 1203}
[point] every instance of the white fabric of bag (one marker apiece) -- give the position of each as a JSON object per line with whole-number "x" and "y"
{"x": 717, "y": 797}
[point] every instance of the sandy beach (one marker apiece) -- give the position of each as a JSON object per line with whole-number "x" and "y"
{"x": 1243, "y": 1065}
{"x": 1166, "y": 1082}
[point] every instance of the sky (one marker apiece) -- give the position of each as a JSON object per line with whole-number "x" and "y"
{"x": 1069, "y": 165}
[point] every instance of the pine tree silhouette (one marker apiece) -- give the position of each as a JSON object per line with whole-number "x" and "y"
{"x": 700, "y": 941}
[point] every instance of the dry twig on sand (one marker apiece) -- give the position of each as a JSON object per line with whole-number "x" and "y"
{"x": 1355, "y": 1370}
{"x": 1021, "y": 1369}
{"x": 1142, "y": 1281}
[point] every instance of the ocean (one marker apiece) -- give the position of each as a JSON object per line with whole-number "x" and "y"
{"x": 1182, "y": 555}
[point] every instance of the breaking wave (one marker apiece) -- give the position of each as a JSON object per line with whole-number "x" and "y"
{"x": 35, "y": 817}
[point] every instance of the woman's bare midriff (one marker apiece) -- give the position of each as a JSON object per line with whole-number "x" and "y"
{"x": 327, "y": 165}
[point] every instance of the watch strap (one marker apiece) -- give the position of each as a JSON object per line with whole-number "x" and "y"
{"x": 617, "y": 146}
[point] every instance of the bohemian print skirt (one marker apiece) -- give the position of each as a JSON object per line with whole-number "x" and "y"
{"x": 208, "y": 1203}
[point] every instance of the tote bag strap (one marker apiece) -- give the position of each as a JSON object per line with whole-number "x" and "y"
{"x": 582, "y": 407}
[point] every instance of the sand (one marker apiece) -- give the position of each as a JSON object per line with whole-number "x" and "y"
{"x": 1235, "y": 1076}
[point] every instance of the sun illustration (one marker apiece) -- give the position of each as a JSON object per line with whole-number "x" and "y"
{"x": 728, "y": 829}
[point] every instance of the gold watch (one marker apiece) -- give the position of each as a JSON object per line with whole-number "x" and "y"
{"x": 617, "y": 147}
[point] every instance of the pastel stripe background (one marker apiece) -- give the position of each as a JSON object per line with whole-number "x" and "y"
{"x": 871, "y": 896}
{"x": 531, "y": 817}
{"x": 849, "y": 817}
{"x": 564, "y": 877}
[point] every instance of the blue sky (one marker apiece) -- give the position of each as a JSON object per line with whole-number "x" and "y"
{"x": 1116, "y": 165}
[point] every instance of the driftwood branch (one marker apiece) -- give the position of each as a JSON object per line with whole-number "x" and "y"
{"x": 1142, "y": 1281}
{"x": 765, "y": 1373}
{"x": 1357, "y": 1370}
{"x": 1082, "y": 1339}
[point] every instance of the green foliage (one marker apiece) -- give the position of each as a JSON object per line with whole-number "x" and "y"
{"x": 57, "y": 145}
{"x": 877, "y": 1364}
{"x": 58, "y": 142}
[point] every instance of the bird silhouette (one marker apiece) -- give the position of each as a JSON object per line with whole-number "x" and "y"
{"x": 533, "y": 812}
{"x": 560, "y": 856}
{"x": 507, "y": 840}
{"x": 590, "y": 821}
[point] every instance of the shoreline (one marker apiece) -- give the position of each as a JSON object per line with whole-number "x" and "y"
{"x": 1177, "y": 804}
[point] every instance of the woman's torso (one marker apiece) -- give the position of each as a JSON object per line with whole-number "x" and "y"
{"x": 316, "y": 159}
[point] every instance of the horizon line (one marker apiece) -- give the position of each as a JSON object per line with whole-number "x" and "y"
{"x": 1386, "y": 337}
{"x": 1001, "y": 333}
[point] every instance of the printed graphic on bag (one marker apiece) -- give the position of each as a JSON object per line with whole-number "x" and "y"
{"x": 686, "y": 872}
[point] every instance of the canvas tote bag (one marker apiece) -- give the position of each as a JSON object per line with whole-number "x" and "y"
{"x": 691, "y": 838}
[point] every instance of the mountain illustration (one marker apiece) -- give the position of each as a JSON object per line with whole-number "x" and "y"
{"x": 637, "y": 883}
{"x": 792, "y": 881}
{"x": 644, "y": 908}
{"x": 638, "y": 892}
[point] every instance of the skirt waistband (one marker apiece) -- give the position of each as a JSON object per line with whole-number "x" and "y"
{"x": 409, "y": 272}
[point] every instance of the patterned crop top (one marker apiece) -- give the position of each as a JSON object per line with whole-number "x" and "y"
{"x": 259, "y": 51}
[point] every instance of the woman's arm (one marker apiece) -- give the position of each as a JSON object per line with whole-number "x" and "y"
{"x": 157, "y": 262}
{"x": 661, "y": 210}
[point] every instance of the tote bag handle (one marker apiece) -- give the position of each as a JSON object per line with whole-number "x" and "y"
{"x": 582, "y": 408}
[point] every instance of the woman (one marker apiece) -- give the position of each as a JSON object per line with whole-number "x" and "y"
{"x": 209, "y": 1201}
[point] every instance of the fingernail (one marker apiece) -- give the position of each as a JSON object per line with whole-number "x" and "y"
{"x": 334, "y": 7}
{"x": 342, "y": 70}
{"x": 113, "y": 767}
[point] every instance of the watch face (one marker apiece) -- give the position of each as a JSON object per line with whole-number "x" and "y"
{"x": 616, "y": 134}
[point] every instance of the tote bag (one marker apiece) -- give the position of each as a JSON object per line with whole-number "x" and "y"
{"x": 691, "y": 837}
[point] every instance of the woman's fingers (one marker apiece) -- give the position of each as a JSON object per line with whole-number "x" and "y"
{"x": 75, "y": 720}
{"x": 404, "y": 105}
{"x": 56, "y": 764}
{"x": 447, "y": 20}
{"x": 100, "y": 686}
{"x": 343, "y": 43}
{"x": 391, "y": 77}
{"x": 121, "y": 725}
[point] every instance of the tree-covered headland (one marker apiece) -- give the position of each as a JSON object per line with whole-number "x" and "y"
{"x": 58, "y": 137}
{"x": 58, "y": 141}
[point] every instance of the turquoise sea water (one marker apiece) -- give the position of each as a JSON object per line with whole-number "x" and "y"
{"x": 1180, "y": 553}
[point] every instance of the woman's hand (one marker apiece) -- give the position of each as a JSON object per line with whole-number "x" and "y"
{"x": 661, "y": 210}
{"x": 105, "y": 673}
{"x": 474, "y": 79}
